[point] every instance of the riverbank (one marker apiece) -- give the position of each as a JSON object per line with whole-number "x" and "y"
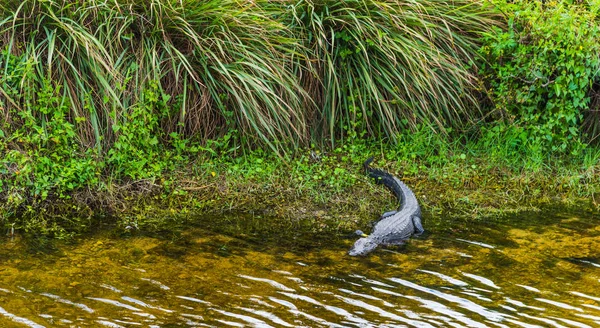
{"x": 270, "y": 108}
{"x": 319, "y": 191}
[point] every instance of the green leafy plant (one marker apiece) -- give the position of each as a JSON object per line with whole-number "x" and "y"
{"x": 136, "y": 152}
{"x": 46, "y": 155}
{"x": 540, "y": 71}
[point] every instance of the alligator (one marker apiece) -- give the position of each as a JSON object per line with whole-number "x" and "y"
{"x": 394, "y": 227}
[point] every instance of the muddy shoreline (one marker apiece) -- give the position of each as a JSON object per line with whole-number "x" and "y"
{"x": 176, "y": 202}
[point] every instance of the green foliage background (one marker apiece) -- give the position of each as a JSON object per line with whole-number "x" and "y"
{"x": 99, "y": 96}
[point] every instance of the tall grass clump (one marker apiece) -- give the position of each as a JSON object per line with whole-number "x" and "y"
{"x": 217, "y": 64}
{"x": 380, "y": 67}
{"x": 272, "y": 73}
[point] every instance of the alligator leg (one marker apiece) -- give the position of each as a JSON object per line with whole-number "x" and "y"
{"x": 383, "y": 216}
{"x": 418, "y": 226}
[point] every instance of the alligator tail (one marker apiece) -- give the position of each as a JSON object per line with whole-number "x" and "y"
{"x": 377, "y": 174}
{"x": 385, "y": 178}
{"x": 368, "y": 163}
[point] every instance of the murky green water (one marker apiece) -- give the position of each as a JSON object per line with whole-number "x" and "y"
{"x": 535, "y": 271}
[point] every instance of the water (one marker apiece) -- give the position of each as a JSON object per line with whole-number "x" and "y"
{"x": 535, "y": 271}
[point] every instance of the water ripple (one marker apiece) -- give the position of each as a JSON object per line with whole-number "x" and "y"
{"x": 481, "y": 279}
{"x": 464, "y": 303}
{"x": 444, "y": 277}
{"x": 424, "y": 285}
{"x": 65, "y": 301}
{"x": 273, "y": 283}
{"x": 21, "y": 320}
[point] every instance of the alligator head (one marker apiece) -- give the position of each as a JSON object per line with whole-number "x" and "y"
{"x": 362, "y": 247}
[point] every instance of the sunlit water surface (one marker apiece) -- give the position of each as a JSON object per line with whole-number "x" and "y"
{"x": 532, "y": 271}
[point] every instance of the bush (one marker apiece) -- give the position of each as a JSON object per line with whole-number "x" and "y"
{"x": 42, "y": 154}
{"x": 540, "y": 71}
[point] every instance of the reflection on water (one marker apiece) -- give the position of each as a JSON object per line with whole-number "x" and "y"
{"x": 483, "y": 275}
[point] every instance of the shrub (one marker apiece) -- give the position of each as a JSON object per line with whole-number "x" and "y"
{"x": 540, "y": 71}
{"x": 43, "y": 155}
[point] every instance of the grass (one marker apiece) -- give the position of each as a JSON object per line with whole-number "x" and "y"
{"x": 279, "y": 74}
{"x": 385, "y": 66}
{"x": 209, "y": 57}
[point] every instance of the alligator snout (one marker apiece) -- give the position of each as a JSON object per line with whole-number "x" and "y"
{"x": 362, "y": 246}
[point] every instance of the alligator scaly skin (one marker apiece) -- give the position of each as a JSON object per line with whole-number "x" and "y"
{"x": 393, "y": 227}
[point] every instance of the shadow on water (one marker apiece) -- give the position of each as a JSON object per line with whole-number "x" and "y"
{"x": 530, "y": 270}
